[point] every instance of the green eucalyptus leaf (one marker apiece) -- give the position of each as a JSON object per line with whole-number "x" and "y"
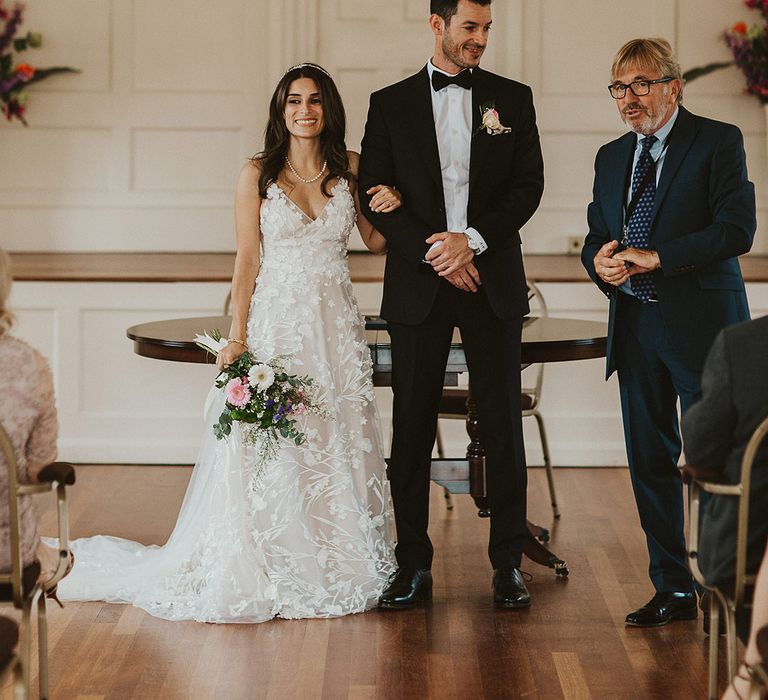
{"x": 701, "y": 71}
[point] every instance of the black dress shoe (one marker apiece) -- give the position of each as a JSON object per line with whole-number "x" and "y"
{"x": 663, "y": 608}
{"x": 704, "y": 603}
{"x": 509, "y": 589}
{"x": 406, "y": 589}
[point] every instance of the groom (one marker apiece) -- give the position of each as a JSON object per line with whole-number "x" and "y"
{"x": 462, "y": 147}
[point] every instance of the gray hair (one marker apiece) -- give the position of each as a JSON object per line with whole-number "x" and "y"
{"x": 655, "y": 54}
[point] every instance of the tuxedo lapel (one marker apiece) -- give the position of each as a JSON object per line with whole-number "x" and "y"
{"x": 419, "y": 102}
{"x": 482, "y": 93}
{"x": 680, "y": 139}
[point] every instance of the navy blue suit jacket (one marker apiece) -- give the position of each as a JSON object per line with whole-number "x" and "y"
{"x": 703, "y": 218}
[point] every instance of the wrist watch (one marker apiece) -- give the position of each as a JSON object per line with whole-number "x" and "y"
{"x": 472, "y": 243}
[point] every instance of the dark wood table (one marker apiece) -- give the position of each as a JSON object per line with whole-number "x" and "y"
{"x": 544, "y": 339}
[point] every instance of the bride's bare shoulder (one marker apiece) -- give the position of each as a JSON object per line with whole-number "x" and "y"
{"x": 250, "y": 173}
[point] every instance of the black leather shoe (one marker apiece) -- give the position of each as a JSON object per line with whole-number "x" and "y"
{"x": 664, "y": 608}
{"x": 704, "y": 602}
{"x": 509, "y": 589}
{"x": 406, "y": 589}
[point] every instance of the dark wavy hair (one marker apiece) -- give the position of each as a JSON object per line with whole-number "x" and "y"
{"x": 277, "y": 136}
{"x": 448, "y": 8}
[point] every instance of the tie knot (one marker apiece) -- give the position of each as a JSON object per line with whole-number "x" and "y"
{"x": 647, "y": 143}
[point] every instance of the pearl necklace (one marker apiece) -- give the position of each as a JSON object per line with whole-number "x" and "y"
{"x": 312, "y": 179}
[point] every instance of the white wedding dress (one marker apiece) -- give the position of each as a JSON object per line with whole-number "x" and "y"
{"x": 311, "y": 534}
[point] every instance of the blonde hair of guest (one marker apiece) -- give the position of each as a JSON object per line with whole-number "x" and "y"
{"x": 6, "y": 317}
{"x": 653, "y": 54}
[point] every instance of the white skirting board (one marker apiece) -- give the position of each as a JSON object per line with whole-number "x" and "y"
{"x": 117, "y": 407}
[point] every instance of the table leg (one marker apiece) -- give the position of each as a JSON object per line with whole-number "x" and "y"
{"x": 476, "y": 457}
{"x": 534, "y": 549}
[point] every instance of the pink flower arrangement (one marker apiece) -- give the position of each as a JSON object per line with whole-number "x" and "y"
{"x": 238, "y": 393}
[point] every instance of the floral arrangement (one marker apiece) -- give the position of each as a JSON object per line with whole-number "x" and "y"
{"x": 263, "y": 397}
{"x": 749, "y": 46}
{"x": 15, "y": 77}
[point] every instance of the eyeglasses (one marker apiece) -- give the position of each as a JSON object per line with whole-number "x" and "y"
{"x": 638, "y": 87}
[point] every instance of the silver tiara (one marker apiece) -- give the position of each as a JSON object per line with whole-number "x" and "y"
{"x": 308, "y": 65}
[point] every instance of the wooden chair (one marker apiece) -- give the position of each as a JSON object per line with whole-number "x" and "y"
{"x": 453, "y": 404}
{"x": 21, "y": 587}
{"x": 734, "y": 598}
{"x": 10, "y": 661}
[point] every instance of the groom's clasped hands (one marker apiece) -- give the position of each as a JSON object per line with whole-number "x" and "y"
{"x": 452, "y": 258}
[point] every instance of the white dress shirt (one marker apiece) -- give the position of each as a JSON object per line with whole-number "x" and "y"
{"x": 452, "y": 110}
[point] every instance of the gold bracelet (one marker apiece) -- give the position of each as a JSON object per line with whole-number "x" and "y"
{"x": 239, "y": 342}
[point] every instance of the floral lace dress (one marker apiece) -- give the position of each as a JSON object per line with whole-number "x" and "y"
{"x": 28, "y": 415}
{"x": 311, "y": 533}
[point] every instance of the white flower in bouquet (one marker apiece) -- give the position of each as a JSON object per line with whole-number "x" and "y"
{"x": 213, "y": 344}
{"x": 261, "y": 376}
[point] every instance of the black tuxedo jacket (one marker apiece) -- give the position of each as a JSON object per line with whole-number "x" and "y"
{"x": 716, "y": 431}
{"x": 703, "y": 218}
{"x": 506, "y": 183}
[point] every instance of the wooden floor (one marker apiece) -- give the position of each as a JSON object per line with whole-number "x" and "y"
{"x": 570, "y": 644}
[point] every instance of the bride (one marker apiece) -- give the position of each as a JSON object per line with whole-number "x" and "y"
{"x": 311, "y": 534}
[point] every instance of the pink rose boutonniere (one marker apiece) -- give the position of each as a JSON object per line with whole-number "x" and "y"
{"x": 491, "y": 121}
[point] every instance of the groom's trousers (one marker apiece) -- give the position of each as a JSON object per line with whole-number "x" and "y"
{"x": 419, "y": 356}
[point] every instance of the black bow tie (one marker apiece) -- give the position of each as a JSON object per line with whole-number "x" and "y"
{"x": 441, "y": 80}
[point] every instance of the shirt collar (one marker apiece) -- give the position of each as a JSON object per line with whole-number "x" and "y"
{"x": 431, "y": 68}
{"x": 662, "y": 133}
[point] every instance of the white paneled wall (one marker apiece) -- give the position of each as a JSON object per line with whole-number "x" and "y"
{"x": 115, "y": 406}
{"x": 141, "y": 150}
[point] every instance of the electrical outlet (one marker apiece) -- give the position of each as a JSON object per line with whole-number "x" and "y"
{"x": 574, "y": 245}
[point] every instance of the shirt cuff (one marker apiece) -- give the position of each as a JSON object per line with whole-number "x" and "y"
{"x": 477, "y": 239}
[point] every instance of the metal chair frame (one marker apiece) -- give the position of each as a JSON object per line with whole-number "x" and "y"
{"x": 729, "y": 602}
{"x": 534, "y": 393}
{"x": 26, "y": 600}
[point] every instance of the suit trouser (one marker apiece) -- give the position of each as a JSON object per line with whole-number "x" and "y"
{"x": 652, "y": 376}
{"x": 419, "y": 355}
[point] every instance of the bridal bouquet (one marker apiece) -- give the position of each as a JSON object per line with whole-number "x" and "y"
{"x": 263, "y": 397}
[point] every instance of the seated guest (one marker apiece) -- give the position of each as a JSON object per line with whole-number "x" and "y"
{"x": 757, "y": 646}
{"x": 28, "y": 415}
{"x": 716, "y": 430}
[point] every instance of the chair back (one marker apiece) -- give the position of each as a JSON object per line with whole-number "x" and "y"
{"x": 747, "y": 461}
{"x": 14, "y": 578}
{"x": 538, "y": 308}
{"x": 740, "y": 491}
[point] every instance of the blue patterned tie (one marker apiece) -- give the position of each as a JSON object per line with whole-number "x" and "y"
{"x": 639, "y": 226}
